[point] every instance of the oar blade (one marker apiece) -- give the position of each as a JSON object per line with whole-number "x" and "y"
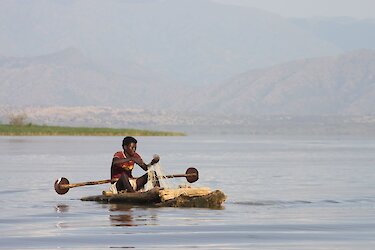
{"x": 58, "y": 185}
{"x": 192, "y": 175}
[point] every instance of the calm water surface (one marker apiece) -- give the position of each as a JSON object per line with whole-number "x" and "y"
{"x": 283, "y": 193}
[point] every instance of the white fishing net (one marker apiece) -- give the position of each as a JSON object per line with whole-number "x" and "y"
{"x": 160, "y": 175}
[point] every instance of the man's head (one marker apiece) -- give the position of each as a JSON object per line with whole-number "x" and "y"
{"x": 129, "y": 144}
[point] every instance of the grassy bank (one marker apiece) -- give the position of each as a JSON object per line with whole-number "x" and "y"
{"x": 38, "y": 130}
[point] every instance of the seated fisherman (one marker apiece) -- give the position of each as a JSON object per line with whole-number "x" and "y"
{"x": 123, "y": 164}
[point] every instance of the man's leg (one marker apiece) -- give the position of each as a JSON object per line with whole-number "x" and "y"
{"x": 124, "y": 184}
{"x": 156, "y": 182}
{"x": 141, "y": 181}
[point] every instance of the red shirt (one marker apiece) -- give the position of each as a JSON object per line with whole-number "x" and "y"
{"x": 126, "y": 167}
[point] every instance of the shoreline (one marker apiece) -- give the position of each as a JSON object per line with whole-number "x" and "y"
{"x": 44, "y": 130}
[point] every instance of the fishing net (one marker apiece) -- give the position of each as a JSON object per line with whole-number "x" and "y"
{"x": 156, "y": 173}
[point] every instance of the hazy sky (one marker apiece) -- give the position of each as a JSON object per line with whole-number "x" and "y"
{"x": 310, "y": 8}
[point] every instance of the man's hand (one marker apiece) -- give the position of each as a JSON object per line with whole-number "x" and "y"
{"x": 155, "y": 160}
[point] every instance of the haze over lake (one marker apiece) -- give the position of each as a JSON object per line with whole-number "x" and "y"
{"x": 276, "y": 98}
{"x": 183, "y": 57}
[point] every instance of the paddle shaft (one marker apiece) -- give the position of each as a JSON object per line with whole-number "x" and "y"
{"x": 90, "y": 183}
{"x": 87, "y": 183}
{"x": 178, "y": 175}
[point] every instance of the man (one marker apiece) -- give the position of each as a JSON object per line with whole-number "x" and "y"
{"x": 123, "y": 164}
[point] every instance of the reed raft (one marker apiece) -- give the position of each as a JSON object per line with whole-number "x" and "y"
{"x": 201, "y": 197}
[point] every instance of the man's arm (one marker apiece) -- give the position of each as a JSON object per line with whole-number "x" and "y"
{"x": 138, "y": 160}
{"x": 145, "y": 166}
{"x": 116, "y": 160}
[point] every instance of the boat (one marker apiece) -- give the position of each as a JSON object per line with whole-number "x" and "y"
{"x": 200, "y": 197}
{"x": 183, "y": 196}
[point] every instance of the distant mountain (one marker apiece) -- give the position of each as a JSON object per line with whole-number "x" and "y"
{"x": 160, "y": 62}
{"x": 68, "y": 78}
{"x": 180, "y": 41}
{"x": 340, "y": 85}
{"x": 65, "y": 78}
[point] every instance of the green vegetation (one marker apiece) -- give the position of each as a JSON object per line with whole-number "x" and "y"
{"x": 37, "y": 130}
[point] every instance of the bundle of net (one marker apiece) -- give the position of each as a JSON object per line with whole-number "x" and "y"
{"x": 156, "y": 174}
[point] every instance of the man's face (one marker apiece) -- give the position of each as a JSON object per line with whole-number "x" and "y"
{"x": 131, "y": 148}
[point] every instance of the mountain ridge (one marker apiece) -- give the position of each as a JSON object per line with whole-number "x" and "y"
{"x": 339, "y": 85}
{"x": 343, "y": 84}
{"x": 184, "y": 42}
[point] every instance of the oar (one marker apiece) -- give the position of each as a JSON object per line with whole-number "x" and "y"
{"x": 62, "y": 185}
{"x": 191, "y": 175}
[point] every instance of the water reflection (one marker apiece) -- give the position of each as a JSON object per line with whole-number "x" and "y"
{"x": 62, "y": 208}
{"x": 124, "y": 215}
{"x": 122, "y": 219}
{"x": 17, "y": 140}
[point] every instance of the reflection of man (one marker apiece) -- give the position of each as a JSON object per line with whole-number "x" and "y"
{"x": 123, "y": 219}
{"x": 123, "y": 164}
{"x": 122, "y": 215}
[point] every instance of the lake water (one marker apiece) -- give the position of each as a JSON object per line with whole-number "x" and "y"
{"x": 283, "y": 193}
